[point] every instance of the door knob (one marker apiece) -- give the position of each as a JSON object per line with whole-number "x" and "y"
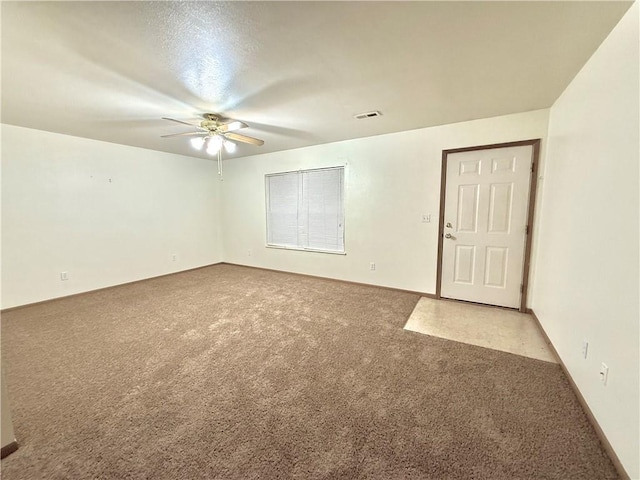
{"x": 448, "y": 235}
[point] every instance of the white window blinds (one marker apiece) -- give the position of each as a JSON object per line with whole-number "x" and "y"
{"x": 305, "y": 209}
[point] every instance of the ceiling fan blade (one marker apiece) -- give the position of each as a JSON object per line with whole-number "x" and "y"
{"x": 182, "y": 134}
{"x": 184, "y": 123}
{"x": 231, "y": 126}
{"x": 244, "y": 138}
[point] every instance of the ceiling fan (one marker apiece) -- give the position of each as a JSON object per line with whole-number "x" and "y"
{"x": 215, "y": 132}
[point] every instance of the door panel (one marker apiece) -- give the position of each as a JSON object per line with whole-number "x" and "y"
{"x": 470, "y": 167}
{"x": 495, "y": 268}
{"x": 468, "y": 208}
{"x": 485, "y": 215}
{"x": 500, "y": 201}
{"x": 464, "y": 264}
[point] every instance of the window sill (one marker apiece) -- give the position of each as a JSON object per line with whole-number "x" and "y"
{"x": 300, "y": 249}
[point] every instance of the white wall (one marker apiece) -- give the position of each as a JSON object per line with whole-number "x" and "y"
{"x": 105, "y": 213}
{"x": 390, "y": 181}
{"x": 586, "y": 284}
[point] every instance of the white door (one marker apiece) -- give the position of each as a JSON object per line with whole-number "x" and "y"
{"x": 485, "y": 225}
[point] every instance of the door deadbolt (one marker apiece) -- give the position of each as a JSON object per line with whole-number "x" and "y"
{"x": 448, "y": 225}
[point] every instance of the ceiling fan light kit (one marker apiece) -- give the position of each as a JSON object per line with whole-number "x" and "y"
{"x": 230, "y": 147}
{"x": 213, "y": 133}
{"x": 214, "y": 144}
{"x": 198, "y": 142}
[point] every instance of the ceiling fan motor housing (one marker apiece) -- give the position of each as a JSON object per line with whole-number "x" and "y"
{"x": 210, "y": 125}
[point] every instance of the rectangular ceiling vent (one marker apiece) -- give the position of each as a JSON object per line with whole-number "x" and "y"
{"x": 367, "y": 115}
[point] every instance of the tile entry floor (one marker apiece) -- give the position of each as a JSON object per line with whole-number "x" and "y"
{"x": 484, "y": 326}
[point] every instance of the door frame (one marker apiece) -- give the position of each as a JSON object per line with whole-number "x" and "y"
{"x": 533, "y": 183}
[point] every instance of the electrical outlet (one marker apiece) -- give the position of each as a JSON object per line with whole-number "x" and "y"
{"x": 585, "y": 349}
{"x": 174, "y": 257}
{"x": 426, "y": 218}
{"x": 64, "y": 276}
{"x": 249, "y": 252}
{"x": 372, "y": 266}
{"x": 604, "y": 373}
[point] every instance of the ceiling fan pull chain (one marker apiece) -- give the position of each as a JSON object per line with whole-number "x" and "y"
{"x": 220, "y": 164}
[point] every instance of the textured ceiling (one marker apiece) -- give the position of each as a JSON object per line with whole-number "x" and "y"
{"x": 296, "y": 72}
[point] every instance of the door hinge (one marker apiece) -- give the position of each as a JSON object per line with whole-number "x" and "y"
{"x": 526, "y": 230}
{"x": 522, "y": 288}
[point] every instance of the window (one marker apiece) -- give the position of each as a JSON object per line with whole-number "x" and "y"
{"x": 305, "y": 210}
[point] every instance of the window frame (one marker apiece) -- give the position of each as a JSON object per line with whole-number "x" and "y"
{"x": 302, "y": 248}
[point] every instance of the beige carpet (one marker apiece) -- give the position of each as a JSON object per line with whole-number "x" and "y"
{"x": 236, "y": 373}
